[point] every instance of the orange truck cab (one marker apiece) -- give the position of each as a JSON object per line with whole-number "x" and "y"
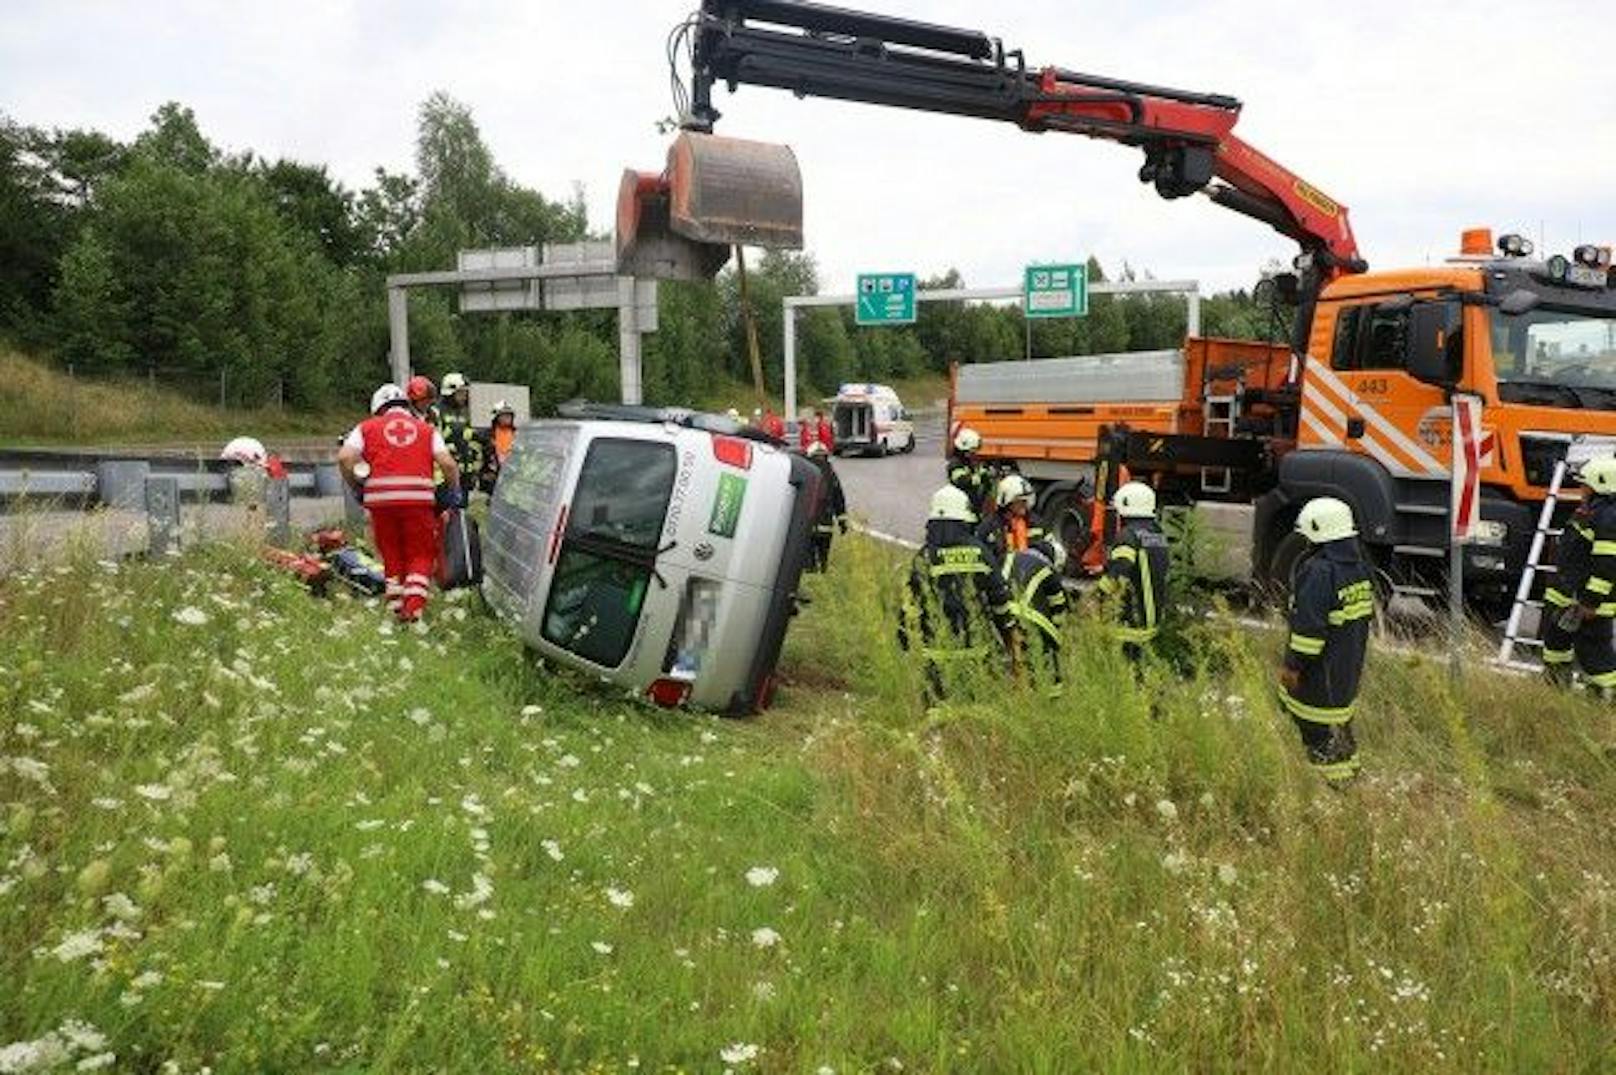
{"x": 1363, "y": 416}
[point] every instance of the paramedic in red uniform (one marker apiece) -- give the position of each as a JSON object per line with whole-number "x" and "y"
{"x": 388, "y": 460}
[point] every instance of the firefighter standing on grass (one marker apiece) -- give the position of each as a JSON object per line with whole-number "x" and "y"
{"x": 967, "y": 473}
{"x": 388, "y": 460}
{"x": 956, "y": 603}
{"x": 832, "y": 508}
{"x": 1579, "y": 609}
{"x": 454, "y": 422}
{"x": 1039, "y": 604}
{"x": 1332, "y": 607}
{"x": 1011, "y": 527}
{"x": 1137, "y": 566}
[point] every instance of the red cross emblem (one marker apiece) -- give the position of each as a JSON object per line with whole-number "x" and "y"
{"x": 400, "y": 432}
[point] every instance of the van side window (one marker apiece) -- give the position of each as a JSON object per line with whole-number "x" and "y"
{"x": 609, "y": 549}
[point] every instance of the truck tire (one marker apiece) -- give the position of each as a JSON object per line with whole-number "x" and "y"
{"x": 1066, "y": 515}
{"x": 1289, "y": 553}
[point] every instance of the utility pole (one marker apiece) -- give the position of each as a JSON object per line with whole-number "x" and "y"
{"x": 751, "y": 329}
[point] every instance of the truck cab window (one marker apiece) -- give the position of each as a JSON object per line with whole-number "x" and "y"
{"x": 1368, "y": 337}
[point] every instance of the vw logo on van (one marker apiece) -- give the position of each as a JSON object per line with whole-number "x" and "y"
{"x": 704, "y": 550}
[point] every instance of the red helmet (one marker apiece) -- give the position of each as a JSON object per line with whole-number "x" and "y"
{"x": 421, "y": 389}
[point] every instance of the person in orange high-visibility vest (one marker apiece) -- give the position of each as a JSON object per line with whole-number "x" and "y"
{"x": 388, "y": 460}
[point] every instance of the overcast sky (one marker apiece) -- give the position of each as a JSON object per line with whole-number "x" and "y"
{"x": 1424, "y": 117}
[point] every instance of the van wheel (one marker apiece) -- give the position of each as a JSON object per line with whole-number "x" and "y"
{"x": 882, "y": 450}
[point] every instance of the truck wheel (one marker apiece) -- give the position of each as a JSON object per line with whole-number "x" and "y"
{"x": 1277, "y": 580}
{"x": 1067, "y": 517}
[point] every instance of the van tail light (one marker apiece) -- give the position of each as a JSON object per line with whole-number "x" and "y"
{"x": 555, "y": 536}
{"x": 669, "y": 693}
{"x": 733, "y": 451}
{"x": 765, "y": 692}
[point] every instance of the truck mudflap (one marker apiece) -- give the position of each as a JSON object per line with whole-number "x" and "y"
{"x": 1364, "y": 484}
{"x": 759, "y": 688}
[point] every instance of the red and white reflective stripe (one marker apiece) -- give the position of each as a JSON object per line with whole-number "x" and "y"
{"x": 395, "y": 594}
{"x": 417, "y": 591}
{"x": 1466, "y": 466}
{"x": 398, "y": 496}
{"x": 398, "y": 481}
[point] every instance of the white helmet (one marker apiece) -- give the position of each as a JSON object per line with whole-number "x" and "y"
{"x": 247, "y": 450}
{"x": 1135, "y": 500}
{"x": 733, "y": 415}
{"x": 1325, "y": 519}
{"x": 501, "y": 407}
{"x": 452, "y": 383}
{"x": 950, "y": 502}
{"x": 1013, "y": 487}
{"x": 386, "y": 396}
{"x": 967, "y": 440}
{"x": 1600, "y": 474}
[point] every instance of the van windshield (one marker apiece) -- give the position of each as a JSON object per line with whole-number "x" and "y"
{"x": 608, "y": 554}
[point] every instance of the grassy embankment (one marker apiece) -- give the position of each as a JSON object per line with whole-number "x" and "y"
{"x": 243, "y": 828}
{"x": 43, "y": 407}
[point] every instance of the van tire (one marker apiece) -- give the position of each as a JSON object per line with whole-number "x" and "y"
{"x": 881, "y": 449}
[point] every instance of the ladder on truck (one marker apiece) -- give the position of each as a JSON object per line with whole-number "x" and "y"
{"x": 1220, "y": 414}
{"x": 1534, "y": 564}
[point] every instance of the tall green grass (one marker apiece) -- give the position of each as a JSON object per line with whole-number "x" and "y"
{"x": 247, "y": 829}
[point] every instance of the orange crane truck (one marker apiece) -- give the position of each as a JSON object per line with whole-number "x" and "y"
{"x": 1355, "y": 406}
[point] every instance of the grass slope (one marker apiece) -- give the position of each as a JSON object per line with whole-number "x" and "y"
{"x": 250, "y": 830}
{"x": 42, "y": 406}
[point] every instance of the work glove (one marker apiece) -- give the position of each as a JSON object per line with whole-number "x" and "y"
{"x": 454, "y": 498}
{"x": 1290, "y": 678}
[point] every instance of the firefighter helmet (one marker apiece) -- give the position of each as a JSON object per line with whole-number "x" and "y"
{"x": 420, "y": 390}
{"x": 967, "y": 440}
{"x": 501, "y": 407}
{"x": 453, "y": 382}
{"x": 248, "y": 450}
{"x": 1013, "y": 487}
{"x": 1600, "y": 474}
{"x": 950, "y": 502}
{"x": 1135, "y": 500}
{"x": 1325, "y": 519}
{"x": 388, "y": 395}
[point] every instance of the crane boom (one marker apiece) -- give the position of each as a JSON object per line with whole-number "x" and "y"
{"x": 816, "y": 50}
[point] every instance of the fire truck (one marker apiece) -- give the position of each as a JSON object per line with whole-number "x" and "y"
{"x": 1355, "y": 404}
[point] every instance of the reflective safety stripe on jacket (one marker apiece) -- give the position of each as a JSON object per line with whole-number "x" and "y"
{"x": 1598, "y": 529}
{"x": 1138, "y": 566}
{"x": 1039, "y": 599}
{"x": 1332, "y": 609}
{"x": 955, "y": 599}
{"x": 398, "y": 449}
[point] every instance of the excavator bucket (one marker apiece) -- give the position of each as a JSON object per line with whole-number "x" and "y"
{"x": 715, "y": 194}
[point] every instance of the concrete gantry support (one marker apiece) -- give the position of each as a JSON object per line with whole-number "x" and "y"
{"x": 1191, "y": 289}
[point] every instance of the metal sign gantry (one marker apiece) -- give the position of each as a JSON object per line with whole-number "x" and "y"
{"x": 557, "y": 276}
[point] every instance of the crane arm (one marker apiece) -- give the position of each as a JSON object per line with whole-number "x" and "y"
{"x": 812, "y": 49}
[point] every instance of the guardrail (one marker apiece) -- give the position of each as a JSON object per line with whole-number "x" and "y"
{"x": 118, "y": 480}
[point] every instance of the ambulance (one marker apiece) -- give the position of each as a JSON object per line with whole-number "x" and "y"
{"x": 870, "y": 419}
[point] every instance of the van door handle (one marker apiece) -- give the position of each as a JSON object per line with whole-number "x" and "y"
{"x": 1355, "y": 427}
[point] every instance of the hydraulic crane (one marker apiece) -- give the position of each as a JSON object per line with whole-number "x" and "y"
{"x": 719, "y": 191}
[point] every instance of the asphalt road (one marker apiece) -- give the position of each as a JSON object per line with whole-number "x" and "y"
{"x": 891, "y": 495}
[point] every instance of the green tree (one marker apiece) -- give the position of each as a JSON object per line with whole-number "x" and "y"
{"x": 174, "y": 139}
{"x": 33, "y": 229}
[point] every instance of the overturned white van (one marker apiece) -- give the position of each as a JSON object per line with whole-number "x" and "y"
{"x": 659, "y": 548}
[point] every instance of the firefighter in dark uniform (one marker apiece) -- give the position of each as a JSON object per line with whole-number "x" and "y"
{"x": 1010, "y": 528}
{"x": 1136, "y": 567}
{"x": 1332, "y": 608}
{"x": 1038, "y": 602}
{"x": 454, "y": 422}
{"x": 956, "y": 604}
{"x": 832, "y": 507}
{"x": 967, "y": 473}
{"x": 1579, "y": 609}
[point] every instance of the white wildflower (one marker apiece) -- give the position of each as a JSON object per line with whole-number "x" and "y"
{"x": 1227, "y": 873}
{"x": 138, "y": 694}
{"x": 191, "y": 616}
{"x": 1167, "y": 810}
{"x": 436, "y": 887}
{"x": 619, "y": 897}
{"x": 739, "y": 1053}
{"x": 1175, "y": 862}
{"x": 41, "y": 1054}
{"x": 602, "y": 947}
{"x": 78, "y": 945}
{"x": 422, "y": 717}
{"x": 299, "y": 864}
{"x": 482, "y": 889}
{"x": 532, "y": 710}
{"x": 96, "y": 1062}
{"x": 156, "y": 793}
{"x": 107, "y": 803}
{"x": 764, "y": 937}
{"x": 219, "y": 863}
{"x": 121, "y": 907}
{"x": 147, "y": 979}
{"x": 762, "y": 876}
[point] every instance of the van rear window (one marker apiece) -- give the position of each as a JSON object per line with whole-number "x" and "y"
{"x": 609, "y": 550}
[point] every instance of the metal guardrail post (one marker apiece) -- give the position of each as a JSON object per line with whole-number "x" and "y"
{"x": 278, "y": 501}
{"x": 162, "y": 515}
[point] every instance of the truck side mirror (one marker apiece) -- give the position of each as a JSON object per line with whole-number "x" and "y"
{"x": 1518, "y": 302}
{"x": 1428, "y": 327}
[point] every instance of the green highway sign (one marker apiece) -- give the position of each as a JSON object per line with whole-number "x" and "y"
{"x": 885, "y": 298}
{"x": 1056, "y": 291}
